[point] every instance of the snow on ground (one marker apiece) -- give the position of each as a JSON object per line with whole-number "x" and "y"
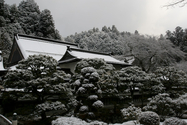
{"x": 77, "y": 121}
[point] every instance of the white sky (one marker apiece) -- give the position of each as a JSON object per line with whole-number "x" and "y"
{"x": 146, "y": 16}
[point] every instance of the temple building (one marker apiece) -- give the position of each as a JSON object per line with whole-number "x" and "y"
{"x": 74, "y": 55}
{"x": 67, "y": 54}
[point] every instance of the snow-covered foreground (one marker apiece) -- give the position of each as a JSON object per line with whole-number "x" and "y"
{"x": 77, "y": 121}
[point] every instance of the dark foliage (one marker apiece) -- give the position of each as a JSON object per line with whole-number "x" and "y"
{"x": 26, "y": 18}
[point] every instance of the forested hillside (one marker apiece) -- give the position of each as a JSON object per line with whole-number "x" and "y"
{"x": 149, "y": 52}
{"x": 26, "y": 18}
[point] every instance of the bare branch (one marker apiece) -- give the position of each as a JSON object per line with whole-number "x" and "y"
{"x": 183, "y": 2}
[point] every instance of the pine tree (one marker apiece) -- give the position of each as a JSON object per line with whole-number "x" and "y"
{"x": 131, "y": 78}
{"x": 173, "y": 80}
{"x": 2, "y": 7}
{"x": 88, "y": 93}
{"x": 14, "y": 13}
{"x": 38, "y": 76}
{"x": 2, "y": 20}
{"x": 46, "y": 27}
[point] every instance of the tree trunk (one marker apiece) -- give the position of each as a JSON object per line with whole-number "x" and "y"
{"x": 142, "y": 99}
{"x": 43, "y": 115}
{"x": 132, "y": 94}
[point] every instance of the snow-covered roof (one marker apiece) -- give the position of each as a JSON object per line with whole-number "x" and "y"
{"x": 84, "y": 54}
{"x": 30, "y": 45}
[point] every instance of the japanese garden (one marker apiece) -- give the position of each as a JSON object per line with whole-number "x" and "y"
{"x": 100, "y": 76}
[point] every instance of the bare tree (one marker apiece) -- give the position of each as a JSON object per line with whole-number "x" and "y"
{"x": 176, "y": 2}
{"x": 150, "y": 53}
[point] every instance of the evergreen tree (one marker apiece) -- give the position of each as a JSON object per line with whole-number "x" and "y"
{"x": 115, "y": 30}
{"x": 178, "y": 34}
{"x": 23, "y": 19}
{"x": 14, "y": 13}
{"x": 2, "y": 7}
{"x": 38, "y": 76}
{"x": 136, "y": 32}
{"x": 2, "y": 20}
{"x": 105, "y": 29}
{"x": 161, "y": 104}
{"x": 178, "y": 38}
{"x": 179, "y": 104}
{"x": 88, "y": 93}
{"x": 161, "y": 37}
{"x": 174, "y": 80}
{"x": 108, "y": 76}
{"x": 131, "y": 78}
{"x": 46, "y": 26}
{"x": 29, "y": 14}
{"x": 6, "y": 38}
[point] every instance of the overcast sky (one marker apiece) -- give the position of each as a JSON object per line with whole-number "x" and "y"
{"x": 146, "y": 16}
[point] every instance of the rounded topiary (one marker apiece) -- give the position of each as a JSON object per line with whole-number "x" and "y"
{"x": 149, "y": 118}
{"x": 174, "y": 121}
{"x": 131, "y": 113}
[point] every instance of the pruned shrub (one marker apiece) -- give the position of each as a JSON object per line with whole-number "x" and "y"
{"x": 174, "y": 121}
{"x": 87, "y": 93}
{"x": 161, "y": 104}
{"x": 149, "y": 118}
{"x": 131, "y": 113}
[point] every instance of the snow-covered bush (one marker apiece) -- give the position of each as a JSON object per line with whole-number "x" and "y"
{"x": 131, "y": 78}
{"x": 149, "y": 118}
{"x": 93, "y": 97}
{"x": 174, "y": 121}
{"x": 172, "y": 79}
{"x": 161, "y": 104}
{"x": 180, "y": 104}
{"x": 94, "y": 76}
{"x": 83, "y": 109}
{"x": 95, "y": 63}
{"x": 81, "y": 90}
{"x": 50, "y": 106}
{"x": 131, "y": 113}
{"x": 98, "y": 104}
{"x": 87, "y": 71}
{"x": 74, "y": 121}
{"x": 97, "y": 123}
{"x": 104, "y": 73}
{"x": 68, "y": 121}
{"x": 77, "y": 82}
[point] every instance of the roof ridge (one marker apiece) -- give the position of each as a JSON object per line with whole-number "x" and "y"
{"x": 47, "y": 39}
{"x": 82, "y": 50}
